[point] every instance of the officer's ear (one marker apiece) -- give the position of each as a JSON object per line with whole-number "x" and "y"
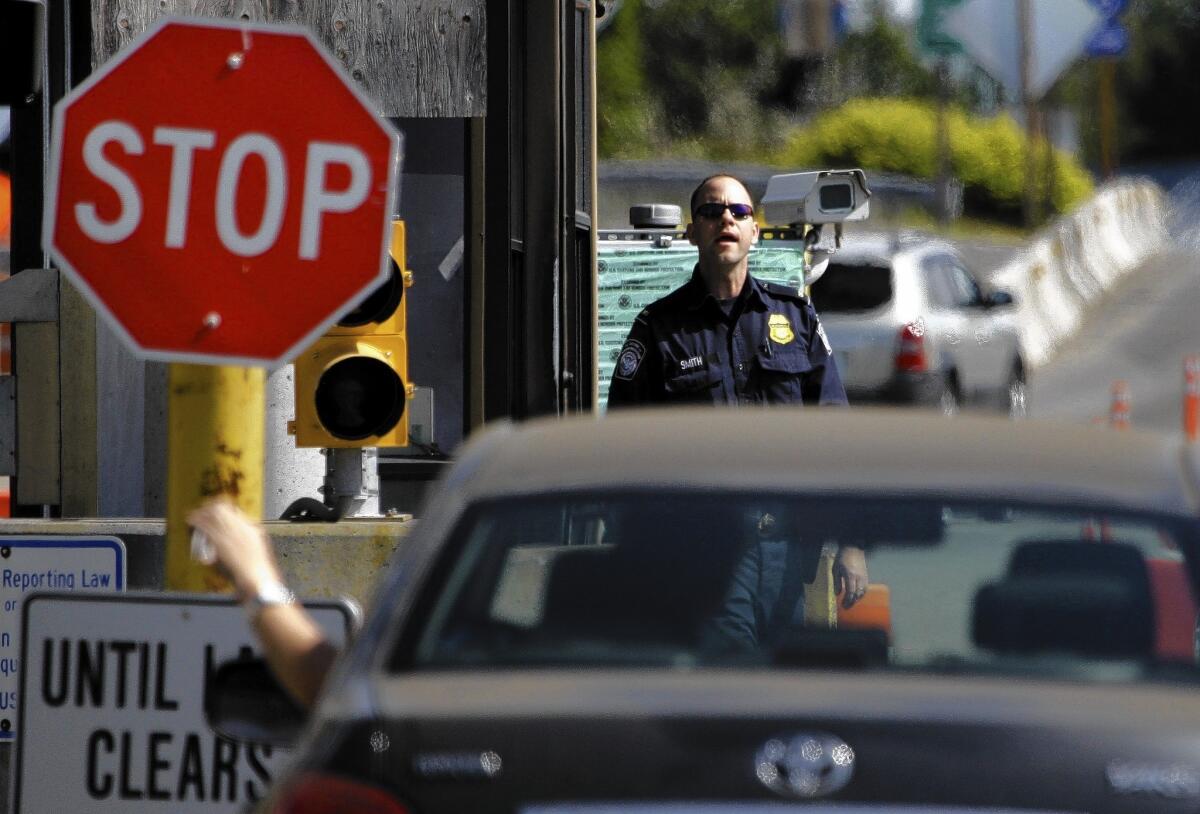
{"x": 754, "y": 232}
{"x": 688, "y": 234}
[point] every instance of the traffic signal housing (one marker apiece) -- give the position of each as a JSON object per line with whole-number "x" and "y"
{"x": 352, "y": 387}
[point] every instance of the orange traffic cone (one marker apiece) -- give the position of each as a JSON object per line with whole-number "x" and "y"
{"x": 1096, "y": 531}
{"x": 1191, "y": 397}
{"x": 1118, "y": 413}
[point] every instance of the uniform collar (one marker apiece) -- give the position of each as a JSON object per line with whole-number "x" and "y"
{"x": 697, "y": 292}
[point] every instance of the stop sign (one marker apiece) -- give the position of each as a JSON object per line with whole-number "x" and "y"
{"x": 220, "y": 192}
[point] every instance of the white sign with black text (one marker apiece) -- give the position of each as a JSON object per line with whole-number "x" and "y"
{"x": 112, "y": 704}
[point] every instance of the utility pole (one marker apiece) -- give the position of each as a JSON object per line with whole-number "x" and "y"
{"x": 944, "y": 168}
{"x": 1029, "y": 200}
{"x": 1108, "y": 116}
{"x": 1050, "y": 163}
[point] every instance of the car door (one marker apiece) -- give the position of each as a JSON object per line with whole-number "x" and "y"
{"x": 985, "y": 342}
{"x": 946, "y": 323}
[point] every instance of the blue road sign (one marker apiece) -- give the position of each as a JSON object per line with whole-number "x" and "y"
{"x": 1110, "y": 8}
{"x": 1109, "y": 41}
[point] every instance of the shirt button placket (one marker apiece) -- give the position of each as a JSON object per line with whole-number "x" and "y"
{"x": 723, "y": 340}
{"x": 739, "y": 363}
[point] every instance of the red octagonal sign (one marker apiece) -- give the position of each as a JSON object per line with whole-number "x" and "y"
{"x": 220, "y": 192}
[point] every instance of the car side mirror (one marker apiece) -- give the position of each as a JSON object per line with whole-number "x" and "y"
{"x": 22, "y": 30}
{"x": 998, "y": 299}
{"x": 244, "y": 702}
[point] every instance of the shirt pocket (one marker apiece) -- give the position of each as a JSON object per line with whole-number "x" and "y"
{"x": 787, "y": 359}
{"x": 692, "y": 385}
{"x": 780, "y": 374}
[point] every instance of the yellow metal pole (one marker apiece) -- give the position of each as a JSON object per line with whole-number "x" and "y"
{"x": 214, "y": 447}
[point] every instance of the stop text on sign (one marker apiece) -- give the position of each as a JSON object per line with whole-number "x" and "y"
{"x": 317, "y": 198}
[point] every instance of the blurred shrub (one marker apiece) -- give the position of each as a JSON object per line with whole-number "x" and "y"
{"x": 877, "y": 61}
{"x": 687, "y": 77}
{"x": 898, "y": 135}
{"x": 697, "y": 52}
{"x": 626, "y": 121}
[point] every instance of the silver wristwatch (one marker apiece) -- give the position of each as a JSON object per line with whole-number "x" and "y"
{"x": 270, "y": 593}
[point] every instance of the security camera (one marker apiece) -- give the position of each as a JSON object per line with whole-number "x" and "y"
{"x": 823, "y": 196}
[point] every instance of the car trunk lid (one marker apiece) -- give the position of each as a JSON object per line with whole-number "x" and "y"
{"x": 853, "y": 301}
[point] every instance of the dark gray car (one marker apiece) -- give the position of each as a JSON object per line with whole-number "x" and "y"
{"x": 567, "y": 628}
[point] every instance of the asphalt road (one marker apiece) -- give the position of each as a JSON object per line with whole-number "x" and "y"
{"x": 1140, "y": 332}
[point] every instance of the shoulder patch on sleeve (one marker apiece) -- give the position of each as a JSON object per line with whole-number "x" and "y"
{"x": 629, "y": 360}
{"x": 824, "y": 338}
{"x": 785, "y": 291}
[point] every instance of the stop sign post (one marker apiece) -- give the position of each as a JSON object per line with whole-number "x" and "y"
{"x": 220, "y": 192}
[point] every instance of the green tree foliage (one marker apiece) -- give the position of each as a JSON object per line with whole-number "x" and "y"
{"x": 1156, "y": 87}
{"x": 701, "y": 55}
{"x": 897, "y": 135}
{"x": 1157, "y": 80}
{"x": 625, "y": 122}
{"x": 877, "y": 61}
{"x": 686, "y": 77}
{"x": 708, "y": 78}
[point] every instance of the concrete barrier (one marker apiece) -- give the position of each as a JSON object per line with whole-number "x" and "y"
{"x": 318, "y": 560}
{"x": 1070, "y": 264}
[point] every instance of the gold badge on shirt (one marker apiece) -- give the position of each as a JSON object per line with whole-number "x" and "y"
{"x": 781, "y": 329}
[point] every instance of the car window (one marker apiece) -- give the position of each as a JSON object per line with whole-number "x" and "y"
{"x": 977, "y": 586}
{"x": 966, "y": 289}
{"x": 941, "y": 289}
{"x": 849, "y": 287}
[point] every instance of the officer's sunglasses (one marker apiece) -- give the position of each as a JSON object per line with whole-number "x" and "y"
{"x": 714, "y": 211}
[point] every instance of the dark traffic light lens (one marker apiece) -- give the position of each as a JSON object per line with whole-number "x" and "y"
{"x": 359, "y": 397}
{"x": 379, "y": 304}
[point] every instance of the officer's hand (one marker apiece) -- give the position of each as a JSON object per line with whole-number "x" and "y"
{"x": 850, "y": 574}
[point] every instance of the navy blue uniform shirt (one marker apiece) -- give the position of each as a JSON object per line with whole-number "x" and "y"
{"x": 768, "y": 349}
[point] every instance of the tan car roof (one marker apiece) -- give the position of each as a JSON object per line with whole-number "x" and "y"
{"x": 832, "y": 449}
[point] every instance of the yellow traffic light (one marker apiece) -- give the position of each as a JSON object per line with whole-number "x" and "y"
{"x": 352, "y": 387}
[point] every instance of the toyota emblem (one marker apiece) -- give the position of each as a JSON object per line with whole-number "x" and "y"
{"x": 811, "y": 764}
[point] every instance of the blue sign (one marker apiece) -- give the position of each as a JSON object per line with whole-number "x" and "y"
{"x": 1109, "y": 41}
{"x": 30, "y": 563}
{"x": 1110, "y": 8}
{"x": 841, "y": 20}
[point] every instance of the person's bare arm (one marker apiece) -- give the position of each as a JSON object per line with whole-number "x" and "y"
{"x": 296, "y": 649}
{"x": 295, "y": 646}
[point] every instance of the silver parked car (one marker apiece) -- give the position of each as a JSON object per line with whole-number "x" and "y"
{"x": 910, "y": 324}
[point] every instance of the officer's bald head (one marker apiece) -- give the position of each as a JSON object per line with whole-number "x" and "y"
{"x": 698, "y": 193}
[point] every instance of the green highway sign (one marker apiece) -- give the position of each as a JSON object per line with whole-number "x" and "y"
{"x": 931, "y": 36}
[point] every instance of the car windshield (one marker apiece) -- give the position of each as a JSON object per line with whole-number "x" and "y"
{"x": 846, "y": 287}
{"x": 745, "y": 580}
